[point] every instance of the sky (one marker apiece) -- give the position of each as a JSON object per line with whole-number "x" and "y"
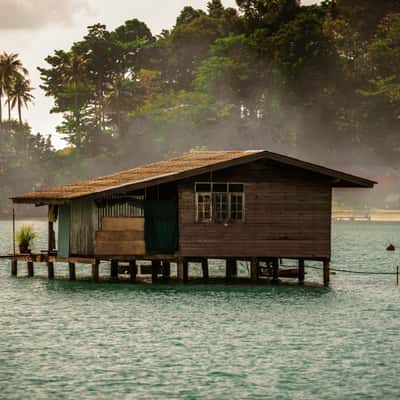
{"x": 35, "y": 28}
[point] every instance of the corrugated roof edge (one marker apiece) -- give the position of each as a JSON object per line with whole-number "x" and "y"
{"x": 246, "y": 157}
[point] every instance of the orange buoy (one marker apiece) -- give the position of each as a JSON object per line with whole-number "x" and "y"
{"x": 390, "y": 247}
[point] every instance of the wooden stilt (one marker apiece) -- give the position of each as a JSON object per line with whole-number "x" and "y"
{"x": 301, "y": 272}
{"x": 114, "y": 269}
{"x": 72, "y": 272}
{"x": 50, "y": 270}
{"x": 30, "y": 268}
{"x": 254, "y": 270}
{"x": 14, "y": 268}
{"x": 185, "y": 271}
{"x": 132, "y": 270}
{"x": 51, "y": 238}
{"x": 166, "y": 270}
{"x": 231, "y": 269}
{"x": 155, "y": 270}
{"x": 275, "y": 270}
{"x": 179, "y": 269}
{"x": 95, "y": 271}
{"x": 326, "y": 272}
{"x": 204, "y": 267}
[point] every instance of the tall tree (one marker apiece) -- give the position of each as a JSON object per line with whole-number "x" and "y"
{"x": 20, "y": 94}
{"x": 365, "y": 15}
{"x": 10, "y": 68}
{"x": 267, "y": 13}
{"x": 215, "y": 9}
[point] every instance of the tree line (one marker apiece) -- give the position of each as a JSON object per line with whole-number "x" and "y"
{"x": 321, "y": 82}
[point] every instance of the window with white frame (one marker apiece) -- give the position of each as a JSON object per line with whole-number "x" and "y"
{"x": 219, "y": 202}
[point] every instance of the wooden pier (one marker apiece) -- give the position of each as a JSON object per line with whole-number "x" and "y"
{"x": 158, "y": 268}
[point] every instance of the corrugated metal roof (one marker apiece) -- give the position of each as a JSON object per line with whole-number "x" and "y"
{"x": 189, "y": 164}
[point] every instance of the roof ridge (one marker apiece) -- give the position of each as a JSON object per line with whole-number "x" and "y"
{"x": 181, "y": 166}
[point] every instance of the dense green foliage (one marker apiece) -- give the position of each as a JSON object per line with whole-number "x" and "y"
{"x": 321, "y": 82}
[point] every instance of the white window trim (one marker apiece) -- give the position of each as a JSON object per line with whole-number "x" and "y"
{"x": 212, "y": 205}
{"x": 197, "y": 207}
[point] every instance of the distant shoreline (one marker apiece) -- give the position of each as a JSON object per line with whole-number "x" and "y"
{"x": 373, "y": 215}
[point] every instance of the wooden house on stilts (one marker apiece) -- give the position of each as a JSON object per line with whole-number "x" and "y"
{"x": 256, "y": 206}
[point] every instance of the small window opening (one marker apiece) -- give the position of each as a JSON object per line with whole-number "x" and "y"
{"x": 204, "y": 207}
{"x": 219, "y": 202}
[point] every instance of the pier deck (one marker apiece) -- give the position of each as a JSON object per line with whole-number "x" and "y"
{"x": 260, "y": 270}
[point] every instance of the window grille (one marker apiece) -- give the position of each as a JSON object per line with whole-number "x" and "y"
{"x": 220, "y": 202}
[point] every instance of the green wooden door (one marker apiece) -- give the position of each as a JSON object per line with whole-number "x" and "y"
{"x": 64, "y": 221}
{"x": 161, "y": 226}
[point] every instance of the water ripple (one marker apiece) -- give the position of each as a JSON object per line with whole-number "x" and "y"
{"x": 69, "y": 340}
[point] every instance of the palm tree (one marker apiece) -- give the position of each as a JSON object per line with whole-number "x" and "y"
{"x": 10, "y": 67}
{"x": 19, "y": 94}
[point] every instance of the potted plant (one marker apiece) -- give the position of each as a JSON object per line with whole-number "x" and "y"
{"x": 25, "y": 237}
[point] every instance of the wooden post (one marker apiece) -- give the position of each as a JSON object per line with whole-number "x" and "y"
{"x": 14, "y": 267}
{"x": 155, "y": 269}
{"x": 72, "y": 272}
{"x": 51, "y": 239}
{"x": 114, "y": 269}
{"x": 231, "y": 269}
{"x": 397, "y": 276}
{"x": 132, "y": 270}
{"x": 50, "y": 270}
{"x": 301, "y": 272}
{"x": 30, "y": 268}
{"x": 179, "y": 269}
{"x": 254, "y": 270}
{"x": 326, "y": 272}
{"x": 166, "y": 270}
{"x": 185, "y": 271}
{"x": 275, "y": 270}
{"x": 13, "y": 229}
{"x": 95, "y": 271}
{"x": 204, "y": 268}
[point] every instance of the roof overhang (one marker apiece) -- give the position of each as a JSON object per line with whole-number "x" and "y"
{"x": 339, "y": 179}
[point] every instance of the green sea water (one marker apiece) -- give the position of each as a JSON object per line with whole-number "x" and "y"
{"x": 81, "y": 340}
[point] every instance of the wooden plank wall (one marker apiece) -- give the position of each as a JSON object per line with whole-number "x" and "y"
{"x": 288, "y": 214}
{"x": 84, "y": 224}
{"x": 64, "y": 222}
{"x": 120, "y": 236}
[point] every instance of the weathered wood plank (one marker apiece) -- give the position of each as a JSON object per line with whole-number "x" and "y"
{"x": 287, "y": 214}
{"x": 119, "y": 236}
{"x": 136, "y": 247}
{"x": 122, "y": 224}
{"x": 83, "y": 227}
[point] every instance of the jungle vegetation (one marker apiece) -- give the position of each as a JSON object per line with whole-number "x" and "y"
{"x": 321, "y": 82}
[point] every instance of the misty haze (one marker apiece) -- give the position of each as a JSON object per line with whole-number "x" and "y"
{"x": 200, "y": 199}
